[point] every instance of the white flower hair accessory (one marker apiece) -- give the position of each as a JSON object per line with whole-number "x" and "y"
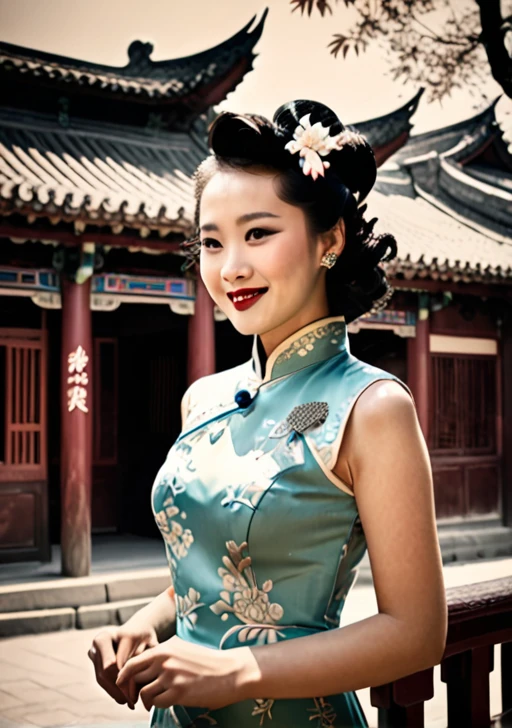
{"x": 313, "y": 141}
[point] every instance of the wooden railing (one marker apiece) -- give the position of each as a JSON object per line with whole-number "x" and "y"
{"x": 479, "y": 617}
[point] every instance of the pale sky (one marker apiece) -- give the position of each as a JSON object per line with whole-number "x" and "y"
{"x": 293, "y": 60}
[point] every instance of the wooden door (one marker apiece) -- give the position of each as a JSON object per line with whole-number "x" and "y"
{"x": 465, "y": 435}
{"x": 23, "y": 456}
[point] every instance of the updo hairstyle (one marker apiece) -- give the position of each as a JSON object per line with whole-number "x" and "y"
{"x": 356, "y": 284}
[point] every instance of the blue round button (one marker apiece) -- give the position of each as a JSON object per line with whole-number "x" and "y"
{"x": 243, "y": 398}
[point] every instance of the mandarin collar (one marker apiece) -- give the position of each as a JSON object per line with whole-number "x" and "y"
{"x": 313, "y": 343}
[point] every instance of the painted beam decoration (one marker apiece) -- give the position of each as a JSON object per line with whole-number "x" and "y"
{"x": 77, "y": 394}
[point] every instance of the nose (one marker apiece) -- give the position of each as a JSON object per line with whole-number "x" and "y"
{"x": 235, "y": 267}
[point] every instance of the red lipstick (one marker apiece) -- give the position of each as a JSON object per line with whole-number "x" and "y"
{"x": 250, "y": 296}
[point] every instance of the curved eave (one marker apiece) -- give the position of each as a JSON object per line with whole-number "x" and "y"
{"x": 384, "y": 131}
{"x": 162, "y": 79}
{"x": 448, "y": 137}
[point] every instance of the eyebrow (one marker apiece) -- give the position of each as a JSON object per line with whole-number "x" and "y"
{"x": 209, "y": 226}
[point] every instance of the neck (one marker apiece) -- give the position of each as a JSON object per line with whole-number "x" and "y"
{"x": 314, "y": 342}
{"x": 272, "y": 339}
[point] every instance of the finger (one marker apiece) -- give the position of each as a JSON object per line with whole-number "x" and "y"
{"x": 104, "y": 647}
{"x": 125, "y": 649}
{"x": 112, "y": 690}
{"x": 165, "y": 699}
{"x": 135, "y": 664}
{"x": 106, "y": 682}
{"x": 150, "y": 692}
{"x": 148, "y": 675}
{"x": 106, "y": 672}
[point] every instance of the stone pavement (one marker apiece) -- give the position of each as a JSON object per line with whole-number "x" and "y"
{"x": 48, "y": 680}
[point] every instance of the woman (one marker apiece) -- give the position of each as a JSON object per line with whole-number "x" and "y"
{"x": 289, "y": 465}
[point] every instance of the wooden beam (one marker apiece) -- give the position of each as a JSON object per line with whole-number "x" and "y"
{"x": 418, "y": 367}
{"x": 68, "y": 238}
{"x": 76, "y": 427}
{"x": 201, "y": 335}
{"x": 482, "y": 290}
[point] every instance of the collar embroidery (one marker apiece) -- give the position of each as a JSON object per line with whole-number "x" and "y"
{"x": 315, "y": 342}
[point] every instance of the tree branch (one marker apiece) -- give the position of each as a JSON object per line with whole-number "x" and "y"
{"x": 493, "y": 37}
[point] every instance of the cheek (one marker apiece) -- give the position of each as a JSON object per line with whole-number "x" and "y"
{"x": 210, "y": 273}
{"x": 292, "y": 259}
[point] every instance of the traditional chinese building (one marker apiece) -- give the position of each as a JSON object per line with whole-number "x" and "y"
{"x": 95, "y": 196}
{"x": 446, "y": 196}
{"x": 101, "y": 330}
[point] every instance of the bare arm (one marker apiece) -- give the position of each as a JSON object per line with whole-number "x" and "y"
{"x": 386, "y": 458}
{"x": 159, "y": 614}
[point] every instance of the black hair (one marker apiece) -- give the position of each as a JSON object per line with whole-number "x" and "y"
{"x": 357, "y": 283}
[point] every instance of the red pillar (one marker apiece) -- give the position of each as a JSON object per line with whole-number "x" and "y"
{"x": 76, "y": 427}
{"x": 418, "y": 366}
{"x": 201, "y": 335}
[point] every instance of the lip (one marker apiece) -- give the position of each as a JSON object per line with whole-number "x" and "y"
{"x": 243, "y": 305}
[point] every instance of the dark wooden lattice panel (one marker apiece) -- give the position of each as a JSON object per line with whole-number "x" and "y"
{"x": 24, "y": 415}
{"x": 464, "y": 404}
{"x": 24, "y": 423}
{"x": 23, "y": 461}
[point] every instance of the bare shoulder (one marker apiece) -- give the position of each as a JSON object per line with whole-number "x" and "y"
{"x": 383, "y": 417}
{"x": 384, "y": 403}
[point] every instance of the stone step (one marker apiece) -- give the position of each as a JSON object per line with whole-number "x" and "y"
{"x": 83, "y": 591}
{"x": 36, "y": 621}
{"x": 82, "y": 603}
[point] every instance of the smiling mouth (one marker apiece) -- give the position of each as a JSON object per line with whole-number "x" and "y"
{"x": 246, "y": 296}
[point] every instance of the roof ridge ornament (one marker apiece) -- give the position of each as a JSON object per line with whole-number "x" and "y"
{"x": 139, "y": 53}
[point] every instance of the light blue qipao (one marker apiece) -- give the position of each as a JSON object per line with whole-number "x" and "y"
{"x": 263, "y": 539}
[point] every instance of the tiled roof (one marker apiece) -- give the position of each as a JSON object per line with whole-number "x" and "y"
{"x": 447, "y": 138}
{"x": 433, "y": 244}
{"x": 384, "y": 129}
{"x": 93, "y": 175}
{"x": 141, "y": 76}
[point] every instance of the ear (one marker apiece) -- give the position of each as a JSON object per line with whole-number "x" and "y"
{"x": 333, "y": 241}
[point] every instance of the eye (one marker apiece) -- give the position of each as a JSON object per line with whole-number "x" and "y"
{"x": 258, "y": 233}
{"x": 210, "y": 243}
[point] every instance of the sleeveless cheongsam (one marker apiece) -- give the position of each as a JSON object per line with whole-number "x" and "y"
{"x": 262, "y": 538}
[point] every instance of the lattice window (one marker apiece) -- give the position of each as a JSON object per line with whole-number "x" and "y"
{"x": 23, "y": 381}
{"x": 464, "y": 404}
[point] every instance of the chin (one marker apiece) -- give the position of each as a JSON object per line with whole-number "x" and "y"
{"x": 246, "y": 329}
{"x": 249, "y": 326}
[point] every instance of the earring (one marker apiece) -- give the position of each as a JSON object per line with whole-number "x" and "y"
{"x": 329, "y": 259}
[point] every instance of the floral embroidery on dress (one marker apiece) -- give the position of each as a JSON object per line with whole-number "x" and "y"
{"x": 305, "y": 344}
{"x": 263, "y": 708}
{"x": 178, "y": 539}
{"x": 187, "y": 606}
{"x": 323, "y": 713}
{"x": 262, "y": 467}
{"x": 248, "y": 494}
{"x": 242, "y": 598}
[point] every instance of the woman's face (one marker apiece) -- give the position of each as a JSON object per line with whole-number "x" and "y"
{"x": 253, "y": 242}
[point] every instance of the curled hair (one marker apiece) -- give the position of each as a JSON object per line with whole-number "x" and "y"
{"x": 357, "y": 283}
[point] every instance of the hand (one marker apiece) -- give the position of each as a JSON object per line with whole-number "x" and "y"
{"x": 182, "y": 673}
{"x": 110, "y": 650}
